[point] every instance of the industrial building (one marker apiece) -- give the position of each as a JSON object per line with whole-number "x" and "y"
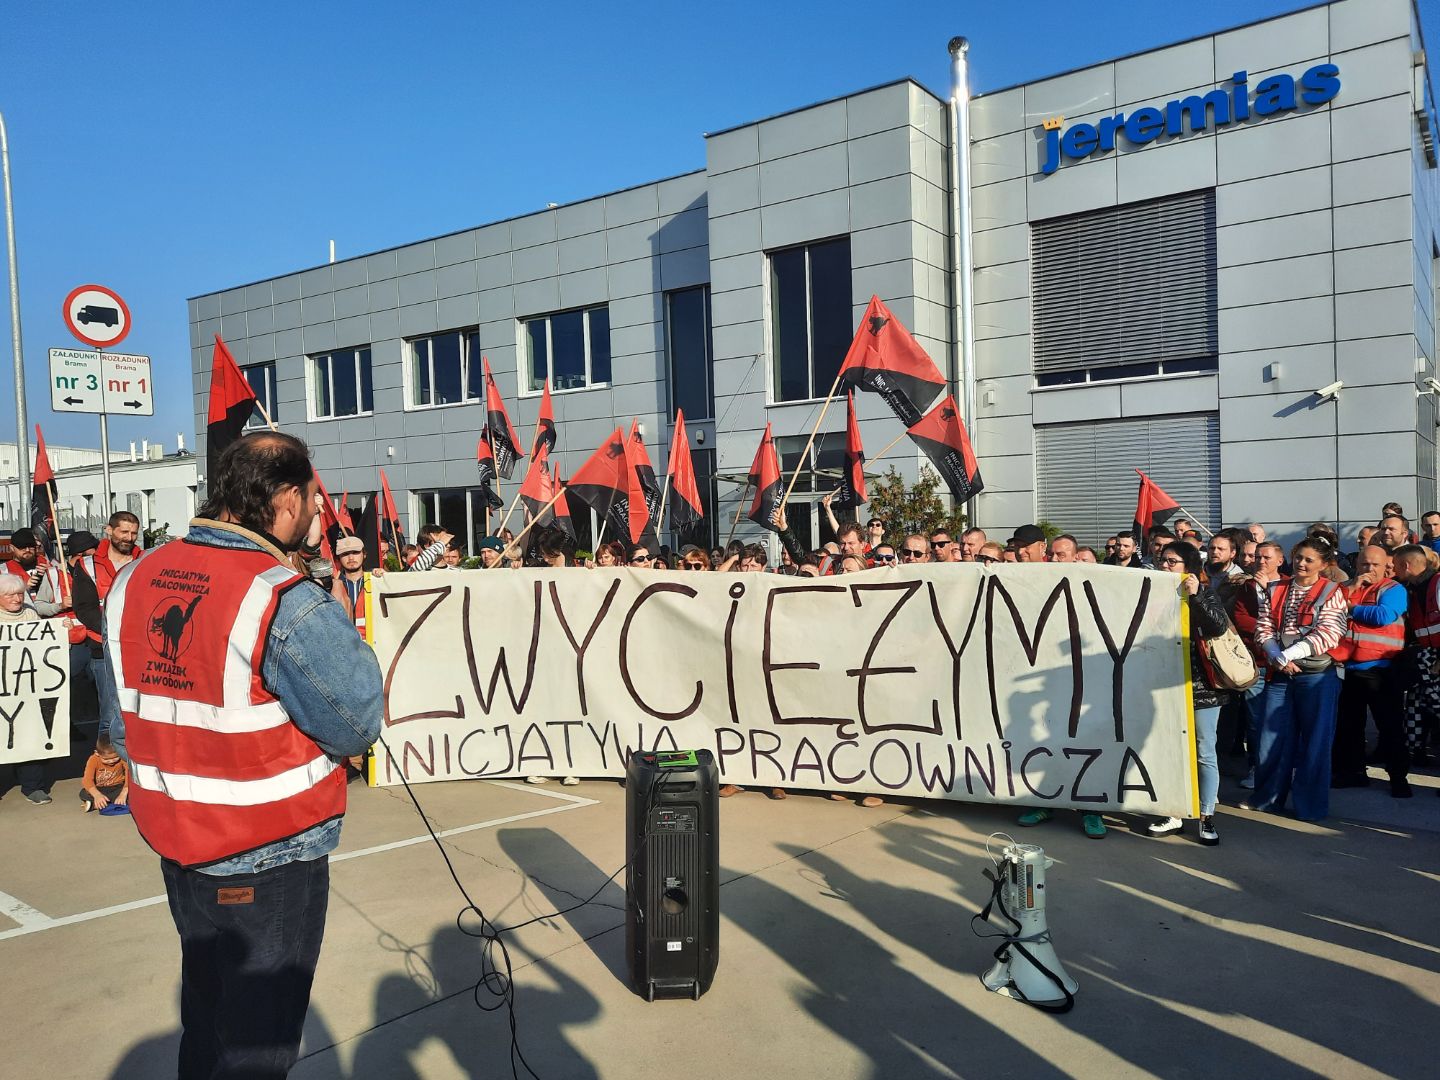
{"x": 1214, "y": 261}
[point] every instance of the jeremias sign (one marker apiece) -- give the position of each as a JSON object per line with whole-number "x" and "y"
{"x": 1272, "y": 94}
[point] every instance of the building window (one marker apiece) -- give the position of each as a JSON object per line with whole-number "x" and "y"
{"x": 690, "y": 351}
{"x": 445, "y": 369}
{"x": 341, "y": 385}
{"x": 811, "y": 318}
{"x": 820, "y": 474}
{"x": 460, "y": 511}
{"x": 150, "y": 509}
{"x": 1085, "y": 472}
{"x": 1126, "y": 292}
{"x": 261, "y": 378}
{"x": 570, "y": 348}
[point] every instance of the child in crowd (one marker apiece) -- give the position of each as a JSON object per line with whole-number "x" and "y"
{"x": 107, "y": 780}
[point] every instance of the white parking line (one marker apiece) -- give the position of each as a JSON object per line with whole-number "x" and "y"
{"x": 32, "y": 921}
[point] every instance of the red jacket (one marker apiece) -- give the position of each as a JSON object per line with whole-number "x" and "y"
{"x": 217, "y": 766}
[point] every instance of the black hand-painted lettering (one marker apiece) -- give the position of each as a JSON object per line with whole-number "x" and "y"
{"x": 1117, "y": 656}
{"x": 581, "y": 646}
{"x": 956, "y": 654}
{"x": 502, "y": 666}
{"x": 863, "y": 673}
{"x": 1031, "y": 646}
{"x": 1090, "y": 756}
{"x": 1132, "y": 758}
{"x": 386, "y": 599}
{"x": 768, "y": 667}
{"x": 628, "y": 678}
{"x": 1025, "y": 774}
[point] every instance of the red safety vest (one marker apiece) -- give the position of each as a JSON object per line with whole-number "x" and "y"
{"x": 1362, "y": 644}
{"x": 217, "y": 767}
{"x": 1319, "y": 593}
{"x": 101, "y": 570}
{"x": 1423, "y": 617}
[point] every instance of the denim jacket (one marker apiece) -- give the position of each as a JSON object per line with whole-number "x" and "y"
{"x": 319, "y": 668}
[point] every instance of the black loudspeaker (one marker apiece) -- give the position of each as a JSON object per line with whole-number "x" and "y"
{"x": 672, "y": 893}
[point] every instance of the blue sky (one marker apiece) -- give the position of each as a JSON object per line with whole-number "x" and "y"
{"x": 171, "y": 149}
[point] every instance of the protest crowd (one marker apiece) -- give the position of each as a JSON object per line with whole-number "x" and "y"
{"x": 1294, "y": 652}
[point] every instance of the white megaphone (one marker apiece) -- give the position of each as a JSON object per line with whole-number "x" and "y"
{"x": 1026, "y": 967}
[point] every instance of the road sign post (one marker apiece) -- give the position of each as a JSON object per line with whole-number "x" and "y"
{"x": 84, "y": 381}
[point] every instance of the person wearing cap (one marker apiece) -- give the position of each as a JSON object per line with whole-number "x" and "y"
{"x": 490, "y": 549}
{"x": 42, "y": 579}
{"x": 352, "y": 582}
{"x": 1029, "y": 544}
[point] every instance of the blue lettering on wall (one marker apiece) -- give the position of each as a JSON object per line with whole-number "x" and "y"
{"x": 1273, "y": 94}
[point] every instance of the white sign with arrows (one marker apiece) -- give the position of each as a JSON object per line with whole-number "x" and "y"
{"x": 84, "y": 381}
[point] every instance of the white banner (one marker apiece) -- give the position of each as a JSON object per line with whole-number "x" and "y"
{"x": 1039, "y": 685}
{"x": 34, "y": 690}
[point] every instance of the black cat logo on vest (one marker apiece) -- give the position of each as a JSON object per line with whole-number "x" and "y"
{"x": 170, "y": 631}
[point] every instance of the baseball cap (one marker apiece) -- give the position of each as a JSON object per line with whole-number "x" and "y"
{"x": 1027, "y": 535}
{"x": 77, "y": 543}
{"x": 348, "y": 545}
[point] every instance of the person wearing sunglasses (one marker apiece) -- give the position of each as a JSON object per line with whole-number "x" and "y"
{"x": 875, "y": 531}
{"x": 943, "y": 548}
{"x": 915, "y": 549}
{"x": 991, "y": 552}
{"x": 1208, "y": 619}
{"x": 640, "y": 558}
{"x": 694, "y": 558}
{"x": 884, "y": 555}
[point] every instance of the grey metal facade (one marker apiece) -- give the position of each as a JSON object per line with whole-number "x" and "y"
{"x": 1326, "y": 240}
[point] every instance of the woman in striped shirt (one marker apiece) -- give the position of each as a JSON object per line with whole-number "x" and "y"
{"x": 1299, "y": 622}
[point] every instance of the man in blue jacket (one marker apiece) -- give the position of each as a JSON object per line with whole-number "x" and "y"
{"x": 240, "y": 688}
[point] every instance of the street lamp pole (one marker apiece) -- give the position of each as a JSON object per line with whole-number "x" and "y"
{"x": 22, "y": 442}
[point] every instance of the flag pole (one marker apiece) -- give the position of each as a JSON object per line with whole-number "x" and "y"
{"x": 740, "y": 510}
{"x": 885, "y": 450}
{"x": 513, "y": 503}
{"x": 1193, "y": 518}
{"x": 664, "y": 496}
{"x": 514, "y": 544}
{"x": 804, "y": 454}
{"x": 59, "y": 547}
{"x": 266, "y": 414}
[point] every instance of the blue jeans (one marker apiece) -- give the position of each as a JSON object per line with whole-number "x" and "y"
{"x": 105, "y": 690}
{"x": 1252, "y": 703}
{"x": 1207, "y": 721}
{"x": 248, "y": 948}
{"x": 1297, "y": 728}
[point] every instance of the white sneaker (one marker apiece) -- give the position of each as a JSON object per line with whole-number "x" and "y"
{"x": 1249, "y": 782}
{"x": 537, "y": 779}
{"x": 570, "y": 781}
{"x": 1165, "y": 826}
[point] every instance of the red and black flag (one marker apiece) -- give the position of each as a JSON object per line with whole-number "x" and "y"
{"x": 603, "y": 484}
{"x": 232, "y": 401}
{"x": 765, "y": 479}
{"x": 686, "y": 509}
{"x": 393, "y": 532}
{"x": 538, "y": 489}
{"x": 504, "y": 443}
{"x": 852, "y": 480}
{"x": 330, "y": 526}
{"x": 561, "y": 509}
{"x": 347, "y": 523}
{"x": 1152, "y": 508}
{"x": 544, "y": 427}
{"x": 941, "y": 434}
{"x": 370, "y": 531}
{"x": 886, "y": 360}
{"x": 485, "y": 463}
{"x": 645, "y": 495}
{"x": 43, "y": 494}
